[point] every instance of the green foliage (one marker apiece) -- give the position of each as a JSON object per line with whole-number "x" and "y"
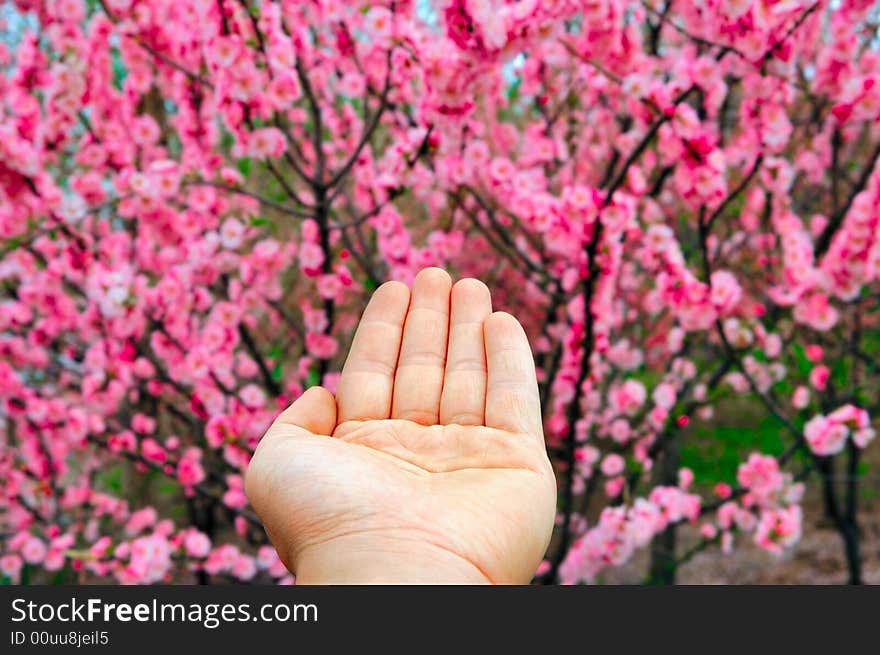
{"x": 11, "y": 244}
{"x": 257, "y": 221}
{"x": 804, "y": 365}
{"x": 275, "y": 191}
{"x": 314, "y": 378}
{"x": 227, "y": 139}
{"x": 513, "y": 90}
{"x": 120, "y": 72}
{"x": 167, "y": 487}
{"x": 840, "y": 372}
{"x": 62, "y": 575}
{"x": 110, "y": 478}
{"x": 175, "y": 147}
{"x": 647, "y": 376}
{"x": 714, "y": 450}
{"x": 277, "y": 356}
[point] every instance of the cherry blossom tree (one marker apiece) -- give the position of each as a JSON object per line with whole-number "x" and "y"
{"x": 680, "y": 201}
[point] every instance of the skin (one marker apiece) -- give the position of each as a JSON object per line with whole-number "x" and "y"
{"x": 429, "y": 466}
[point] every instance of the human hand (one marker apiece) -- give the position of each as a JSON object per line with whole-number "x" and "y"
{"x": 429, "y": 466}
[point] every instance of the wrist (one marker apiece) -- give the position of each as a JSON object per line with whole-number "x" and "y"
{"x": 358, "y": 560}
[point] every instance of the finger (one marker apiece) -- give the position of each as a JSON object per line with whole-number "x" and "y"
{"x": 512, "y": 401}
{"x": 419, "y": 380}
{"x": 464, "y": 386}
{"x": 314, "y": 411}
{"x": 366, "y": 385}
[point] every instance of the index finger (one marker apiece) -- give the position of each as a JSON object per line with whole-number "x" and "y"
{"x": 366, "y": 385}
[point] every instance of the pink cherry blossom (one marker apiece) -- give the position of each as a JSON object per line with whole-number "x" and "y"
{"x": 10, "y": 566}
{"x": 612, "y": 465}
{"x": 33, "y": 551}
{"x": 197, "y": 544}
{"x": 801, "y": 397}
{"x": 197, "y": 200}
{"x": 825, "y": 436}
{"x": 819, "y": 376}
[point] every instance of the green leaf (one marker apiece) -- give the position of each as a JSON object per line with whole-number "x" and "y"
{"x": 313, "y": 379}
{"x": 174, "y": 145}
{"x": 110, "y": 478}
{"x": 840, "y": 373}
{"x": 715, "y": 449}
{"x": 168, "y": 487}
{"x": 257, "y": 221}
{"x": 60, "y": 576}
{"x": 120, "y": 71}
{"x": 244, "y": 166}
{"x": 633, "y": 467}
{"x": 278, "y": 373}
{"x": 227, "y": 139}
{"x": 804, "y": 365}
{"x": 513, "y": 90}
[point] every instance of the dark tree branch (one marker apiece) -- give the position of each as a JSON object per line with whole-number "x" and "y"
{"x": 836, "y": 220}
{"x": 248, "y": 340}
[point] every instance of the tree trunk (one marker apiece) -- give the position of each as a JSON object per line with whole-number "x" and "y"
{"x": 663, "y": 562}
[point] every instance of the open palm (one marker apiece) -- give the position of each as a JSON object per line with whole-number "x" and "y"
{"x": 429, "y": 465}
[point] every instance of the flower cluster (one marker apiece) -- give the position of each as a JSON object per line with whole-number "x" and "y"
{"x": 620, "y": 531}
{"x": 827, "y": 435}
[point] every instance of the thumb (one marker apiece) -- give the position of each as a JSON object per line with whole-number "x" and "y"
{"x": 314, "y": 411}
